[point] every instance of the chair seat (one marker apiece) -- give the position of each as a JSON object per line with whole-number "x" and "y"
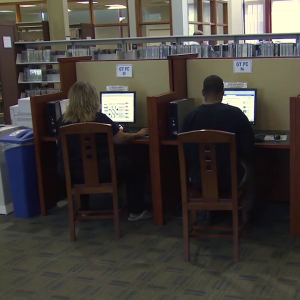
{"x": 82, "y": 189}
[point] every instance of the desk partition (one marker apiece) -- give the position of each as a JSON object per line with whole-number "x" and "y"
{"x": 164, "y": 76}
{"x": 150, "y": 77}
{"x": 279, "y": 163}
{"x": 276, "y": 79}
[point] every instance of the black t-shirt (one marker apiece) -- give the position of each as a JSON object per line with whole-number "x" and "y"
{"x": 74, "y": 148}
{"x": 226, "y": 118}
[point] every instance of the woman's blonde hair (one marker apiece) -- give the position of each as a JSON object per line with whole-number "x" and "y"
{"x": 84, "y": 103}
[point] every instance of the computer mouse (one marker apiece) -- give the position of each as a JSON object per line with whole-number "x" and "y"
{"x": 276, "y": 137}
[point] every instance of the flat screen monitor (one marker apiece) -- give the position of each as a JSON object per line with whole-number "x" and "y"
{"x": 244, "y": 99}
{"x": 119, "y": 106}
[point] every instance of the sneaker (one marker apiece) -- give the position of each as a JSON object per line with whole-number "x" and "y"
{"x": 145, "y": 215}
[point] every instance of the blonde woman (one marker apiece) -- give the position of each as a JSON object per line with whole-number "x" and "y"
{"x": 84, "y": 106}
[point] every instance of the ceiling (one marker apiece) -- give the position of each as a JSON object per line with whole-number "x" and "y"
{"x": 100, "y": 5}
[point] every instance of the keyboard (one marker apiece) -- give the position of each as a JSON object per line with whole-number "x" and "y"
{"x": 259, "y": 137}
{"x": 132, "y": 129}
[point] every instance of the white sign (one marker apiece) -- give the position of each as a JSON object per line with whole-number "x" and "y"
{"x": 242, "y": 66}
{"x": 235, "y": 85}
{"x": 124, "y": 70}
{"x": 118, "y": 88}
{"x": 7, "y": 42}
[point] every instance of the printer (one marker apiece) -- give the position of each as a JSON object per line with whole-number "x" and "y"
{"x": 20, "y": 114}
{"x": 54, "y": 110}
{"x": 177, "y": 111}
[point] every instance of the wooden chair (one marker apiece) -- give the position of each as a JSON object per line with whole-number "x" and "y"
{"x": 209, "y": 198}
{"x": 91, "y": 185}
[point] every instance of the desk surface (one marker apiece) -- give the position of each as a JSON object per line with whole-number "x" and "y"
{"x": 267, "y": 144}
{"x": 169, "y": 142}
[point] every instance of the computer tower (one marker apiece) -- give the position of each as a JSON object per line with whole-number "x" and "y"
{"x": 54, "y": 110}
{"x": 177, "y": 111}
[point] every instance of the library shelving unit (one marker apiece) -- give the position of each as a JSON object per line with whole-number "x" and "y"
{"x": 32, "y": 31}
{"x": 82, "y": 31}
{"x": 33, "y": 54}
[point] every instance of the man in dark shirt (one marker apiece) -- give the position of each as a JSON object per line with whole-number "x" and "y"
{"x": 215, "y": 115}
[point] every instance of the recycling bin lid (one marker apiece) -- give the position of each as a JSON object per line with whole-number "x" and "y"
{"x": 22, "y": 136}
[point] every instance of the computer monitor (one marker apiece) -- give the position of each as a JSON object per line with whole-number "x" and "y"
{"x": 244, "y": 99}
{"x": 119, "y": 106}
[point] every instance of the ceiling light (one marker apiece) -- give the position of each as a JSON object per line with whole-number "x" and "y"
{"x": 86, "y": 2}
{"x": 6, "y": 11}
{"x": 116, "y": 6}
{"x": 27, "y": 5}
{"x": 69, "y": 10}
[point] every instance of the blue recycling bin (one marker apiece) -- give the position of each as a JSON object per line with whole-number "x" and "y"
{"x": 22, "y": 172}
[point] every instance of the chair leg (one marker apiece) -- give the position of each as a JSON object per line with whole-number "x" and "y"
{"x": 116, "y": 214}
{"x": 244, "y": 212}
{"x": 71, "y": 218}
{"x": 194, "y": 217}
{"x": 186, "y": 234}
{"x": 235, "y": 230}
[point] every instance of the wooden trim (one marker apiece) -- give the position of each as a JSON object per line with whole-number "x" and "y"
{"x": 213, "y": 18}
{"x": 67, "y": 70}
{"x": 111, "y": 25}
{"x": 294, "y": 166}
{"x": 18, "y": 14}
{"x": 156, "y": 106}
{"x": 128, "y": 18}
{"x": 178, "y": 73}
{"x": 200, "y": 14}
{"x": 138, "y": 17}
{"x": 171, "y": 17}
{"x": 225, "y": 18}
{"x": 155, "y": 23}
{"x": 91, "y": 8}
{"x": 268, "y": 16}
{"x": 201, "y": 23}
{"x": 51, "y": 189}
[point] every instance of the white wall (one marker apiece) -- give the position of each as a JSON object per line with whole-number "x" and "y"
{"x": 235, "y": 17}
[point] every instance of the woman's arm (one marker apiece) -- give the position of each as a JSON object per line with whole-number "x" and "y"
{"x": 122, "y": 137}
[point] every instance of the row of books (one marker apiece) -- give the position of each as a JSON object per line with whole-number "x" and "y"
{"x": 40, "y": 75}
{"x": 263, "y": 49}
{"x": 39, "y": 92}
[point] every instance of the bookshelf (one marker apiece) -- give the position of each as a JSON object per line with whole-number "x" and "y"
{"x": 33, "y": 31}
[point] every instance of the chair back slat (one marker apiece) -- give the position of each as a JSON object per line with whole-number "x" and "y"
{"x": 207, "y": 140}
{"x": 89, "y": 160}
{"x": 209, "y": 175}
{"x": 87, "y": 138}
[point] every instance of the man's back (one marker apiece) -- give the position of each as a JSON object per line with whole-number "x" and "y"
{"x": 226, "y": 118}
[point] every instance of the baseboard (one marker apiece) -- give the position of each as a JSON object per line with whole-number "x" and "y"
{"x": 6, "y": 209}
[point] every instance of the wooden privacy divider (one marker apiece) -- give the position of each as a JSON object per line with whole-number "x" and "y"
{"x": 157, "y": 123}
{"x": 295, "y": 165}
{"x": 51, "y": 188}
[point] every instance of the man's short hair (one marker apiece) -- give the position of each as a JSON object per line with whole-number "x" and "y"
{"x": 213, "y": 84}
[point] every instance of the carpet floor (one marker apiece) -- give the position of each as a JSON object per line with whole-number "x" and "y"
{"x": 38, "y": 261}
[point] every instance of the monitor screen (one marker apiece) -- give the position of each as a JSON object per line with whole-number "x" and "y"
{"x": 119, "y": 106}
{"x": 244, "y": 99}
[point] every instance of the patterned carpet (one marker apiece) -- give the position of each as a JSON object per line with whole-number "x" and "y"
{"x": 38, "y": 261}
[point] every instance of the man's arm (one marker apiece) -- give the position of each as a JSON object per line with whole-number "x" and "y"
{"x": 244, "y": 137}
